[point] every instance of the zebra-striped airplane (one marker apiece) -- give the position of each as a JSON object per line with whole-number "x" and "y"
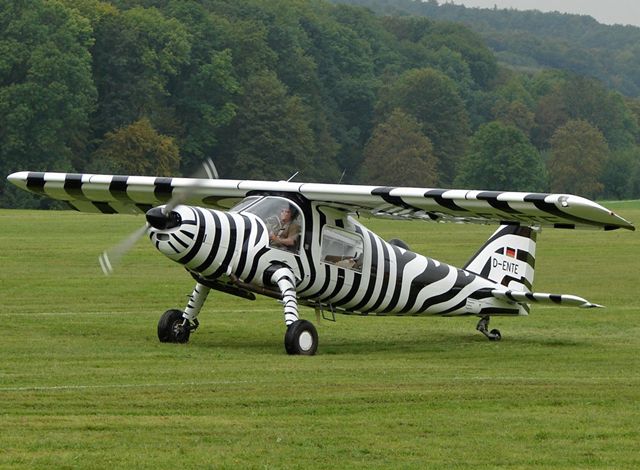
{"x": 303, "y": 243}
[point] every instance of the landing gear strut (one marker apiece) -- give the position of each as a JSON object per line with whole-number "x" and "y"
{"x": 301, "y": 336}
{"x": 175, "y": 326}
{"x": 483, "y": 327}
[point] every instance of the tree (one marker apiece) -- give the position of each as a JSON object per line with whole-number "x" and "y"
{"x": 433, "y": 100}
{"x": 514, "y": 113}
{"x": 550, "y": 114}
{"x": 46, "y": 90}
{"x": 620, "y": 174}
{"x": 272, "y": 136}
{"x": 136, "y": 53}
{"x": 204, "y": 89}
{"x": 482, "y": 63}
{"x": 578, "y": 154}
{"x": 204, "y": 105}
{"x": 398, "y": 154}
{"x": 137, "y": 149}
{"x": 502, "y": 158}
{"x": 587, "y": 99}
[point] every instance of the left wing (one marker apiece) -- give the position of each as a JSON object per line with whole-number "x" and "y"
{"x": 135, "y": 194}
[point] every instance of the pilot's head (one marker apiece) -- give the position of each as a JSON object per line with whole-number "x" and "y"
{"x": 287, "y": 213}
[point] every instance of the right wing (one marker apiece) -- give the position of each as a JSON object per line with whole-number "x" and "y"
{"x": 113, "y": 194}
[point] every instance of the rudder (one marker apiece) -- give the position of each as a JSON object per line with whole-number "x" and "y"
{"x": 507, "y": 257}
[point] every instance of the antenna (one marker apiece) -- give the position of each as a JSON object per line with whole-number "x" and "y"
{"x": 342, "y": 175}
{"x": 292, "y": 176}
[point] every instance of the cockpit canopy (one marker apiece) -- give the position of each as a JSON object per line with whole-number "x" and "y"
{"x": 281, "y": 216}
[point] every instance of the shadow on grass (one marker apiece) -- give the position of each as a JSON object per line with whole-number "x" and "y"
{"x": 420, "y": 342}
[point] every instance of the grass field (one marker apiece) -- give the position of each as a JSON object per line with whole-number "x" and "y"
{"x": 84, "y": 383}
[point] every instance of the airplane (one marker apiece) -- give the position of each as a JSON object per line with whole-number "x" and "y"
{"x": 304, "y": 244}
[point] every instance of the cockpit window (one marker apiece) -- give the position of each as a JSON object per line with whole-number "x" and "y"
{"x": 342, "y": 248}
{"x": 283, "y": 220}
{"x": 246, "y": 202}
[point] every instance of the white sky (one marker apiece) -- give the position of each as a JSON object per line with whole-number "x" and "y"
{"x": 604, "y": 11}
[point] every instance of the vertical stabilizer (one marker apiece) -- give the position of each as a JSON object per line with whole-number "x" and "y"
{"x": 507, "y": 258}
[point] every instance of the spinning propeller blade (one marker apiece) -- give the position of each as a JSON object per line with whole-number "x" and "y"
{"x": 111, "y": 257}
{"x": 207, "y": 171}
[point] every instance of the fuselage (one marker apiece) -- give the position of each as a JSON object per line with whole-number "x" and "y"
{"x": 338, "y": 263}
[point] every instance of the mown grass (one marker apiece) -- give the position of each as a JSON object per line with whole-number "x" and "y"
{"x": 84, "y": 382}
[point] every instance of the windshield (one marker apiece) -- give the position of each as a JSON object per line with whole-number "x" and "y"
{"x": 282, "y": 218}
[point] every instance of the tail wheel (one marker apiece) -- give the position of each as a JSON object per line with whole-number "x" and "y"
{"x": 301, "y": 338}
{"x": 172, "y": 327}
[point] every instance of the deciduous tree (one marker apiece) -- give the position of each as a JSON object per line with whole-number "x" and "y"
{"x": 578, "y": 155}
{"x": 502, "y": 158}
{"x": 433, "y": 100}
{"x": 137, "y": 149}
{"x": 46, "y": 90}
{"x": 398, "y": 154}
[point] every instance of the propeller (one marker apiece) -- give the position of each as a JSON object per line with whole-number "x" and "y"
{"x": 206, "y": 171}
{"x": 111, "y": 257}
{"x": 158, "y": 217}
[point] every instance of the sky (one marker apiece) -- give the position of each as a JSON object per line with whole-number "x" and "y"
{"x": 604, "y": 11}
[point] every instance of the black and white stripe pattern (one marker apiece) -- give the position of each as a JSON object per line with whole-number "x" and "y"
{"x": 196, "y": 301}
{"x": 392, "y": 281}
{"x": 539, "y": 297}
{"x": 216, "y": 244}
{"x": 285, "y": 280}
{"x": 131, "y": 194}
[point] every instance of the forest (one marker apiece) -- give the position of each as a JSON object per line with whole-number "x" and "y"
{"x": 335, "y": 92}
{"x": 530, "y": 39}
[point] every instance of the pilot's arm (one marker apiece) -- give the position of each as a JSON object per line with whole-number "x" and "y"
{"x": 288, "y": 240}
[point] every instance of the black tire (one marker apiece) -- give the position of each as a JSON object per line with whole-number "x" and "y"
{"x": 170, "y": 328}
{"x": 494, "y": 335}
{"x": 301, "y": 338}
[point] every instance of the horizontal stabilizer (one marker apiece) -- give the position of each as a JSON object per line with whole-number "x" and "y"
{"x": 539, "y": 297}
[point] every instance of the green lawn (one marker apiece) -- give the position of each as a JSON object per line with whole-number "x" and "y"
{"x": 84, "y": 383}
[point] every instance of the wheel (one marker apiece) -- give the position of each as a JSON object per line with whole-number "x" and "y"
{"x": 170, "y": 329}
{"x": 494, "y": 335}
{"x": 301, "y": 338}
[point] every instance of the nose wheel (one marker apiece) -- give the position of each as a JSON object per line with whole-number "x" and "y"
{"x": 174, "y": 328}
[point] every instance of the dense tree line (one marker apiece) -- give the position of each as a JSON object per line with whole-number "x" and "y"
{"x": 268, "y": 88}
{"x": 532, "y": 39}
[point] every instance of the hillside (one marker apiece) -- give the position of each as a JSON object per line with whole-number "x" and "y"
{"x": 533, "y": 40}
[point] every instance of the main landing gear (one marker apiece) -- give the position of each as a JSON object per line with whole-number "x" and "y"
{"x": 301, "y": 337}
{"x": 483, "y": 327}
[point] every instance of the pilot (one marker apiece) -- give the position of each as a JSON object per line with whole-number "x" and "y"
{"x": 286, "y": 233}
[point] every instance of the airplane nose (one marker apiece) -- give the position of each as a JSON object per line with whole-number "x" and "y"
{"x": 161, "y": 221}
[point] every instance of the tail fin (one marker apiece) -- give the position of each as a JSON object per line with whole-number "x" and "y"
{"x": 507, "y": 258}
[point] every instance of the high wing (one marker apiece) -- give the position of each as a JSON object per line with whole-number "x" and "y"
{"x": 136, "y": 194}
